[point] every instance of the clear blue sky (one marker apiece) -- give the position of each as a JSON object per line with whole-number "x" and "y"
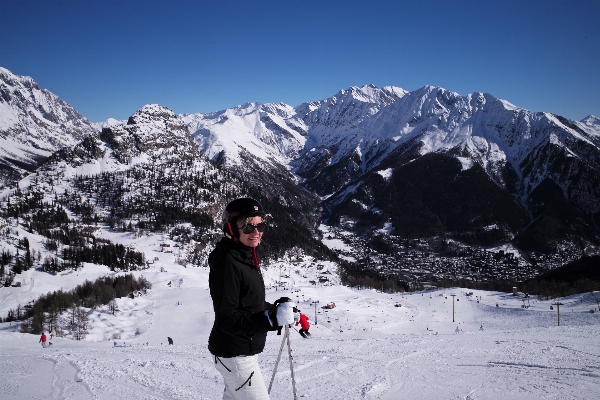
{"x": 109, "y": 58}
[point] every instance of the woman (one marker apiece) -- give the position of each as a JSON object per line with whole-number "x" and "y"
{"x": 242, "y": 316}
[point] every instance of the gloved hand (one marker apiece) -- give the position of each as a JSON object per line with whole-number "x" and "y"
{"x": 282, "y": 312}
{"x": 285, "y": 313}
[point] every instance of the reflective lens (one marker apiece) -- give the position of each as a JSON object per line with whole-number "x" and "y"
{"x": 249, "y": 228}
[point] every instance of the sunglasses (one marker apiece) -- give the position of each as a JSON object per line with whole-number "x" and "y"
{"x": 249, "y": 228}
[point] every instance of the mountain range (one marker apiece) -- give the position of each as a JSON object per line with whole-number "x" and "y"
{"x": 376, "y": 162}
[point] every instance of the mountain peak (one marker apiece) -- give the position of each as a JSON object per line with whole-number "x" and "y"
{"x": 153, "y": 129}
{"x": 591, "y": 124}
{"x": 366, "y": 93}
{"x": 591, "y": 120}
{"x": 151, "y": 112}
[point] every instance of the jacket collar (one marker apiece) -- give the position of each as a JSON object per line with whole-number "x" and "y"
{"x": 241, "y": 252}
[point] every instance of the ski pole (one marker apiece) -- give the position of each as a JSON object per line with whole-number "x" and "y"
{"x": 287, "y": 332}
{"x": 277, "y": 362}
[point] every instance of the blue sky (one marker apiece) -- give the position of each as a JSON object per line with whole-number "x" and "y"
{"x": 109, "y": 58}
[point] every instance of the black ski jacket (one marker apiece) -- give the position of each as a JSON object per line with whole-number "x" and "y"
{"x": 238, "y": 295}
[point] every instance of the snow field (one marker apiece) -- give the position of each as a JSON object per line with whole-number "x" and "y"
{"x": 365, "y": 347}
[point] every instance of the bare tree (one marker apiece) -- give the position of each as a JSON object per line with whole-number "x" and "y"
{"x": 113, "y": 307}
{"x": 52, "y": 323}
{"x": 81, "y": 324}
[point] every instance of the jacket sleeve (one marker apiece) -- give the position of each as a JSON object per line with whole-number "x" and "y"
{"x": 230, "y": 317}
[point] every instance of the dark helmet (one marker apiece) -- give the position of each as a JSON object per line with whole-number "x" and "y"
{"x": 242, "y": 208}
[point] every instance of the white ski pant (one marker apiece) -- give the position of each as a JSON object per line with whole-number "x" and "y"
{"x": 243, "y": 379}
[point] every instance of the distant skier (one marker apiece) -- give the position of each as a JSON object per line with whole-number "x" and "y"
{"x": 304, "y": 324}
{"x": 43, "y": 340}
{"x": 296, "y": 314}
{"x": 481, "y": 328}
{"x": 170, "y": 340}
{"x": 457, "y": 330}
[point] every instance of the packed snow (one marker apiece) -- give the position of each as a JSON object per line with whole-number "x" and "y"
{"x": 372, "y": 345}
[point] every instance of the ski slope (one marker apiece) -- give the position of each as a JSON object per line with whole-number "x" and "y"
{"x": 367, "y": 347}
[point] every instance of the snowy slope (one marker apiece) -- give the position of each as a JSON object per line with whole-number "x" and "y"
{"x": 363, "y": 348}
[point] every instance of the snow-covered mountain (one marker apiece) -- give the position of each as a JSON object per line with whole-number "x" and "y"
{"x": 524, "y": 170}
{"x": 336, "y": 145}
{"x": 300, "y": 138}
{"x": 34, "y": 123}
{"x": 331, "y": 142}
{"x": 268, "y": 131}
{"x": 98, "y": 126}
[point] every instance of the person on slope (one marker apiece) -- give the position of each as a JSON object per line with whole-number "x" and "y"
{"x": 302, "y": 319}
{"x": 242, "y": 315}
{"x": 43, "y": 340}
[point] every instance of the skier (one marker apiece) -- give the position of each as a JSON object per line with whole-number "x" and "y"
{"x": 170, "y": 340}
{"x": 43, "y": 340}
{"x": 242, "y": 316}
{"x": 304, "y": 324}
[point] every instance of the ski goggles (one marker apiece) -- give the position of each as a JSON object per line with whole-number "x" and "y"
{"x": 249, "y": 228}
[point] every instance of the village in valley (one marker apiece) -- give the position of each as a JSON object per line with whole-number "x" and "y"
{"x": 423, "y": 263}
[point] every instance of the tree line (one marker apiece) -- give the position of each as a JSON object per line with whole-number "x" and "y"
{"x": 43, "y": 314}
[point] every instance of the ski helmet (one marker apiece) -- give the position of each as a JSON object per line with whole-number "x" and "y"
{"x": 240, "y": 208}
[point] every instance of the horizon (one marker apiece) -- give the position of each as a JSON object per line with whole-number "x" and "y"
{"x": 108, "y": 59}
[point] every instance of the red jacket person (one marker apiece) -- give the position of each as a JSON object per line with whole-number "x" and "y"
{"x": 43, "y": 339}
{"x": 304, "y": 324}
